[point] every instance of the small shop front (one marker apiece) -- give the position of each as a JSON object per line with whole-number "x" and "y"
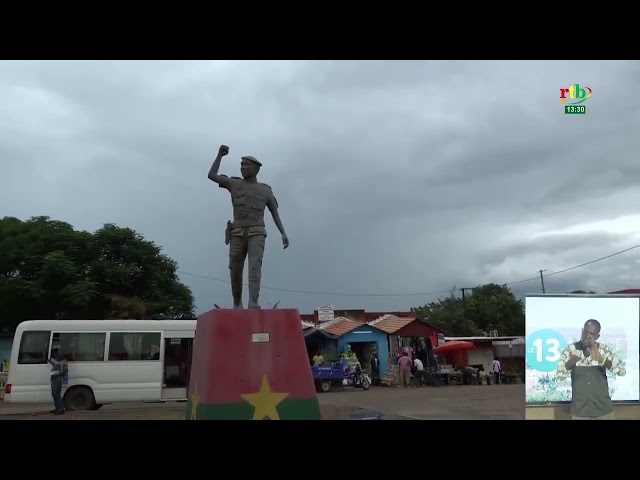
{"x": 322, "y": 344}
{"x": 410, "y": 335}
{"x": 362, "y": 342}
{"x": 349, "y": 341}
{"x": 407, "y": 334}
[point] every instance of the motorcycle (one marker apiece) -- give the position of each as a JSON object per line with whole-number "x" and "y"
{"x": 360, "y": 379}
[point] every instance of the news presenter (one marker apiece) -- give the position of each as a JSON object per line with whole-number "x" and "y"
{"x": 587, "y": 362}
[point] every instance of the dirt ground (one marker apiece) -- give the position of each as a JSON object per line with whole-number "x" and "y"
{"x": 478, "y": 402}
{"x": 151, "y": 412}
{"x": 427, "y": 403}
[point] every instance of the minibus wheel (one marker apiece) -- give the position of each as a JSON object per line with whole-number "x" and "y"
{"x": 79, "y": 398}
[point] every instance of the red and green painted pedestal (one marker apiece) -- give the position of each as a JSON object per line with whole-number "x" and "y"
{"x": 251, "y": 364}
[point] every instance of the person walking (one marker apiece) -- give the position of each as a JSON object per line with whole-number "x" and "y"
{"x": 497, "y": 370}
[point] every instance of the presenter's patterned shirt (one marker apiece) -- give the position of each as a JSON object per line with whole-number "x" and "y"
{"x": 589, "y": 387}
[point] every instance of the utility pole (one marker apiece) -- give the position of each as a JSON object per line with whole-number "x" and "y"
{"x": 542, "y": 280}
{"x": 464, "y": 309}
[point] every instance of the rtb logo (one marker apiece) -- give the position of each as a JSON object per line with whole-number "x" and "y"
{"x": 576, "y": 93}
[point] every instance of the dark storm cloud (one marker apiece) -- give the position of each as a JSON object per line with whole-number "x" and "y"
{"x": 392, "y": 177}
{"x": 552, "y": 245}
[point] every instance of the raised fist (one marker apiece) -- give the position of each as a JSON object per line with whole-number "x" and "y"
{"x": 223, "y": 150}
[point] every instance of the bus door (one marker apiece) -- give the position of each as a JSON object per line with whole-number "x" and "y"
{"x": 178, "y": 348}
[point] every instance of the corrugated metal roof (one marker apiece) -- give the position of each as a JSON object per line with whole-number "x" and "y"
{"x": 371, "y": 316}
{"x": 306, "y": 325}
{"x": 390, "y": 323}
{"x": 339, "y": 326}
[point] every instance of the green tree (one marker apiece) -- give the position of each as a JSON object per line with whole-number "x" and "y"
{"x": 495, "y": 307}
{"x": 488, "y": 307}
{"x": 582, "y": 292}
{"x": 447, "y": 314}
{"x": 50, "y": 270}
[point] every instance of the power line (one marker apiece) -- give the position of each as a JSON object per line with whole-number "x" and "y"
{"x": 419, "y": 294}
{"x": 593, "y": 261}
{"x": 316, "y": 293}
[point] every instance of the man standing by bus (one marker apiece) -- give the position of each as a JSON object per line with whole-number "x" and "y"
{"x": 59, "y": 370}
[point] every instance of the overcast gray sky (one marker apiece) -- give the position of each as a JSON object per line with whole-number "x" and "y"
{"x": 392, "y": 176}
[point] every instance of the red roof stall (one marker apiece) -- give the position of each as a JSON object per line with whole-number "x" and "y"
{"x": 400, "y": 328}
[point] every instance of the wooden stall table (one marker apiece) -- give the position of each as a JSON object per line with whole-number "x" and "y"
{"x": 511, "y": 378}
{"x": 452, "y": 378}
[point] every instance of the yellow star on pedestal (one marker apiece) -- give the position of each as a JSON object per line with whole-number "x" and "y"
{"x": 265, "y": 401}
{"x": 195, "y": 402}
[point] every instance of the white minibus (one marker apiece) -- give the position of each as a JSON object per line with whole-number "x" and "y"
{"x": 109, "y": 361}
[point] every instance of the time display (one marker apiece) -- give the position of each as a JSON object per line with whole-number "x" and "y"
{"x": 574, "y": 109}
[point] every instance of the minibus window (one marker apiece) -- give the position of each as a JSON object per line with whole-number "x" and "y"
{"x": 34, "y": 347}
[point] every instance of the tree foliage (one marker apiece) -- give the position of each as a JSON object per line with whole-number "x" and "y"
{"x": 50, "y": 270}
{"x": 487, "y": 307}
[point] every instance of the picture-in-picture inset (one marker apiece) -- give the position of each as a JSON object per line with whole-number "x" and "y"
{"x": 582, "y": 351}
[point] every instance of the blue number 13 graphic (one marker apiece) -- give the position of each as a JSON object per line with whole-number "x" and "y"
{"x": 544, "y": 348}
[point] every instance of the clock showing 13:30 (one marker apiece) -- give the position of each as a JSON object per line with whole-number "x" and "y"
{"x": 544, "y": 348}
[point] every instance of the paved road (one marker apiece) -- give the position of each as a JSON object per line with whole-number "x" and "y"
{"x": 443, "y": 403}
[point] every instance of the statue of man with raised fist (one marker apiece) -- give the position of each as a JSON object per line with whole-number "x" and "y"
{"x": 246, "y": 234}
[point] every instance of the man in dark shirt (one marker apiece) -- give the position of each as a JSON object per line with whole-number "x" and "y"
{"x": 375, "y": 369}
{"x": 59, "y": 369}
{"x": 587, "y": 362}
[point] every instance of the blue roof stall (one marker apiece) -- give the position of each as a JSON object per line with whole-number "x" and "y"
{"x": 364, "y": 339}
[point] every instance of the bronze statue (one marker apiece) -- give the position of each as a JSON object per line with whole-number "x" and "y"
{"x": 246, "y": 235}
